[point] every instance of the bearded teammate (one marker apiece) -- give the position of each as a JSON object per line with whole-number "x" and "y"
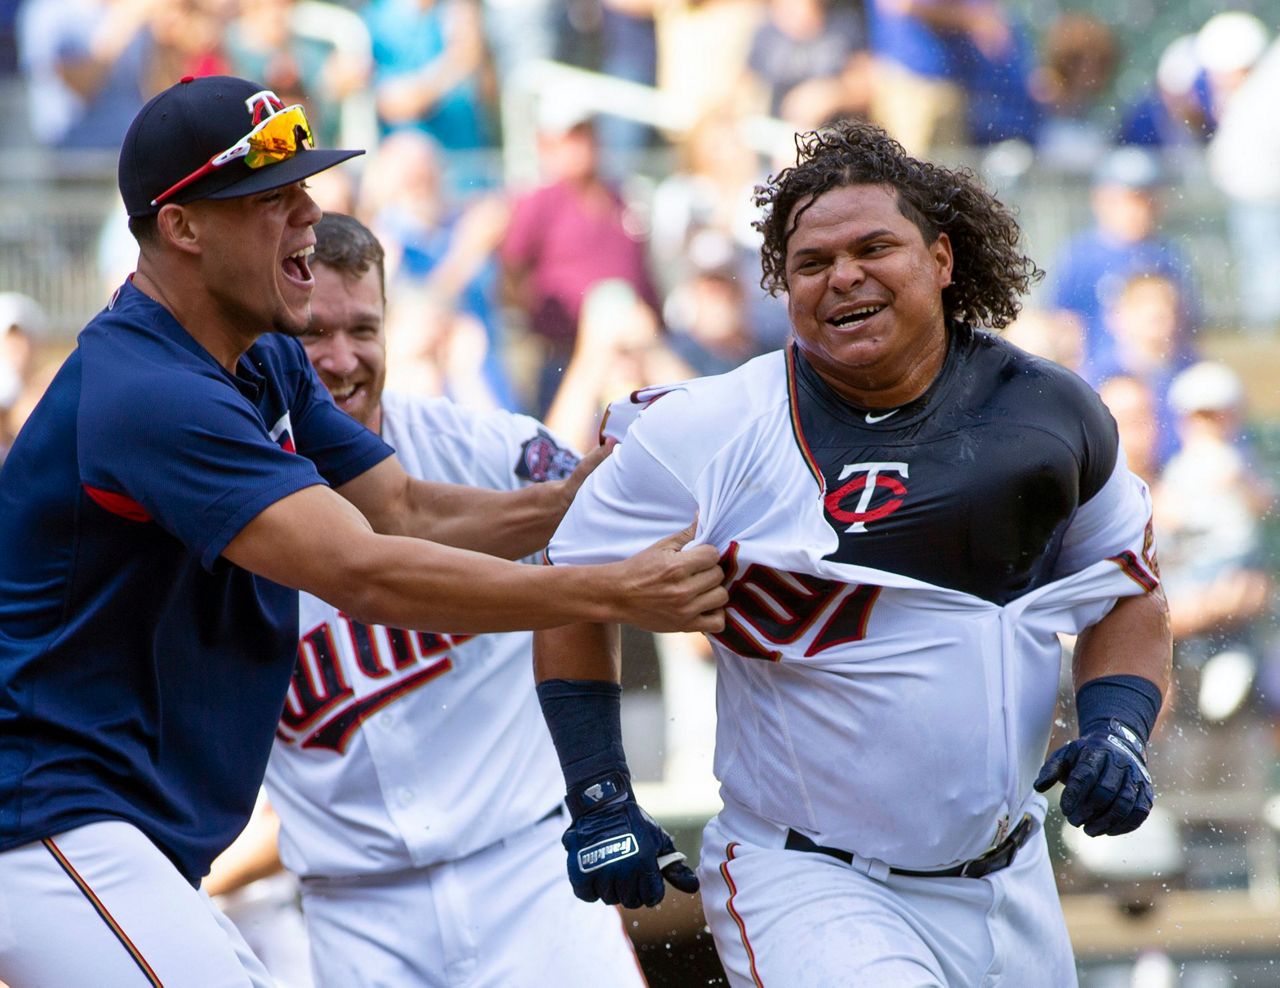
{"x": 909, "y": 510}
{"x": 417, "y": 789}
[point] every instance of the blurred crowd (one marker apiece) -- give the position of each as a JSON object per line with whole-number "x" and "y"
{"x": 556, "y": 295}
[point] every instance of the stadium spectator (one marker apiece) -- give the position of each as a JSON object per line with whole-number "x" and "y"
{"x": 997, "y": 65}
{"x": 918, "y": 96}
{"x": 1176, "y": 112}
{"x": 710, "y": 188}
{"x": 702, "y": 51}
{"x": 566, "y": 236}
{"x": 620, "y": 348}
{"x": 86, "y": 64}
{"x": 430, "y": 71}
{"x": 1132, "y": 404}
{"x": 1093, "y": 266}
{"x": 811, "y": 62}
{"x": 1079, "y": 58}
{"x": 1228, "y": 46}
{"x": 1209, "y": 503}
{"x": 434, "y": 350}
{"x": 22, "y": 324}
{"x": 707, "y": 312}
{"x": 277, "y": 42}
{"x": 1144, "y": 323}
{"x": 443, "y": 252}
{"x": 518, "y": 32}
{"x": 628, "y": 50}
{"x": 1244, "y": 161}
{"x": 188, "y": 40}
{"x": 1055, "y": 334}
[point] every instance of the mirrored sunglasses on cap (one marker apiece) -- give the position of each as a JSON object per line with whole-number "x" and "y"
{"x": 276, "y": 138}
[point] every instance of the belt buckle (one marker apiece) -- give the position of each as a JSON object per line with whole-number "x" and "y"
{"x": 1000, "y": 856}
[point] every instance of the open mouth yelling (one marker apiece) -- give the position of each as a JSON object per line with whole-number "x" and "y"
{"x": 855, "y": 317}
{"x": 297, "y": 267}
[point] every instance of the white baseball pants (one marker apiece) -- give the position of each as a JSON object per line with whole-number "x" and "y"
{"x": 101, "y": 905}
{"x": 799, "y": 919}
{"x": 503, "y": 917}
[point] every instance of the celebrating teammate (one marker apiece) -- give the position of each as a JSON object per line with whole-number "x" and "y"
{"x": 412, "y": 772}
{"x": 908, "y": 511}
{"x": 185, "y": 470}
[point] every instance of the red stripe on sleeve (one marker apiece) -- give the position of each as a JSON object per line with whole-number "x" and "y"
{"x": 118, "y": 504}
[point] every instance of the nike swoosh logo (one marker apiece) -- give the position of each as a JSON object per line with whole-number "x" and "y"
{"x": 873, "y": 419}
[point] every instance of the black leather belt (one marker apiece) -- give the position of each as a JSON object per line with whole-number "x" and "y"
{"x": 1000, "y": 856}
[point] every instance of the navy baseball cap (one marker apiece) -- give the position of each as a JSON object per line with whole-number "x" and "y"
{"x": 191, "y": 142}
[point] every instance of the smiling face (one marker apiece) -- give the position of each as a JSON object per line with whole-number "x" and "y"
{"x": 346, "y": 342}
{"x": 864, "y": 293}
{"x": 254, "y": 258}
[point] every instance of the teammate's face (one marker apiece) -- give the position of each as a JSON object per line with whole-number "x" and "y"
{"x": 249, "y": 258}
{"x": 864, "y": 292}
{"x": 346, "y": 342}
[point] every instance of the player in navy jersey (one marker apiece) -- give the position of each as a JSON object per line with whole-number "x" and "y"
{"x": 185, "y": 475}
{"x": 909, "y": 510}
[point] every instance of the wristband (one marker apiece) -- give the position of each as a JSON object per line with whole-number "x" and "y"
{"x": 584, "y": 717}
{"x": 1132, "y": 700}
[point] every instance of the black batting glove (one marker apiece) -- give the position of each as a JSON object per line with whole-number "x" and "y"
{"x": 1106, "y": 786}
{"x": 617, "y": 852}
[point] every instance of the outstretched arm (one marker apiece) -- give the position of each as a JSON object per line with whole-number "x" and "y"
{"x": 617, "y": 852}
{"x": 315, "y": 540}
{"x": 510, "y": 524}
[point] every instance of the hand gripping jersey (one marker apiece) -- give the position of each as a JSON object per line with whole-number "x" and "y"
{"x": 889, "y": 668}
{"x": 140, "y": 672}
{"x": 400, "y": 749}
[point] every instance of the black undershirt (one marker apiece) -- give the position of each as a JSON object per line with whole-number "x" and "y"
{"x": 976, "y": 480}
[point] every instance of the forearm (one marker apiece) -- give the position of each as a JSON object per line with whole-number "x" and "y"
{"x": 509, "y": 524}
{"x": 251, "y": 856}
{"x": 1133, "y": 640}
{"x": 410, "y": 583}
{"x": 577, "y": 651}
{"x": 315, "y": 540}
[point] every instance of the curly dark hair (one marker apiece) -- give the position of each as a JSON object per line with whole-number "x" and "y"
{"x": 989, "y": 274}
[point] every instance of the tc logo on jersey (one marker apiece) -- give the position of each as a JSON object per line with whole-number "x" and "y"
{"x": 867, "y": 492}
{"x": 607, "y": 852}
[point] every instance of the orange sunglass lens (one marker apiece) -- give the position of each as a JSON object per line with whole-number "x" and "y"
{"x": 279, "y": 138}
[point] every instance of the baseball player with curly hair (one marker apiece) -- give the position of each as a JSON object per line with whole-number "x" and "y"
{"x": 183, "y": 477}
{"x": 416, "y": 785}
{"x": 909, "y": 511}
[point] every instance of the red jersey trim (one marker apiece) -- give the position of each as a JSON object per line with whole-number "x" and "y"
{"x": 793, "y": 400}
{"x": 118, "y": 504}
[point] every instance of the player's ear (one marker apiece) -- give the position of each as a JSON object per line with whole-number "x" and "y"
{"x": 178, "y": 227}
{"x": 940, "y": 250}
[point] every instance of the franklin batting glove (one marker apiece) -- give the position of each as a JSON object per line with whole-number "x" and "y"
{"x": 1106, "y": 786}
{"x": 617, "y": 852}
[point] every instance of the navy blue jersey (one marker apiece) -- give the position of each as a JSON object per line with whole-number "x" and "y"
{"x": 972, "y": 485}
{"x": 141, "y": 674}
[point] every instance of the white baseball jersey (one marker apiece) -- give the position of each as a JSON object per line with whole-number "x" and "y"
{"x": 418, "y": 791}
{"x": 889, "y": 670}
{"x": 401, "y": 749}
